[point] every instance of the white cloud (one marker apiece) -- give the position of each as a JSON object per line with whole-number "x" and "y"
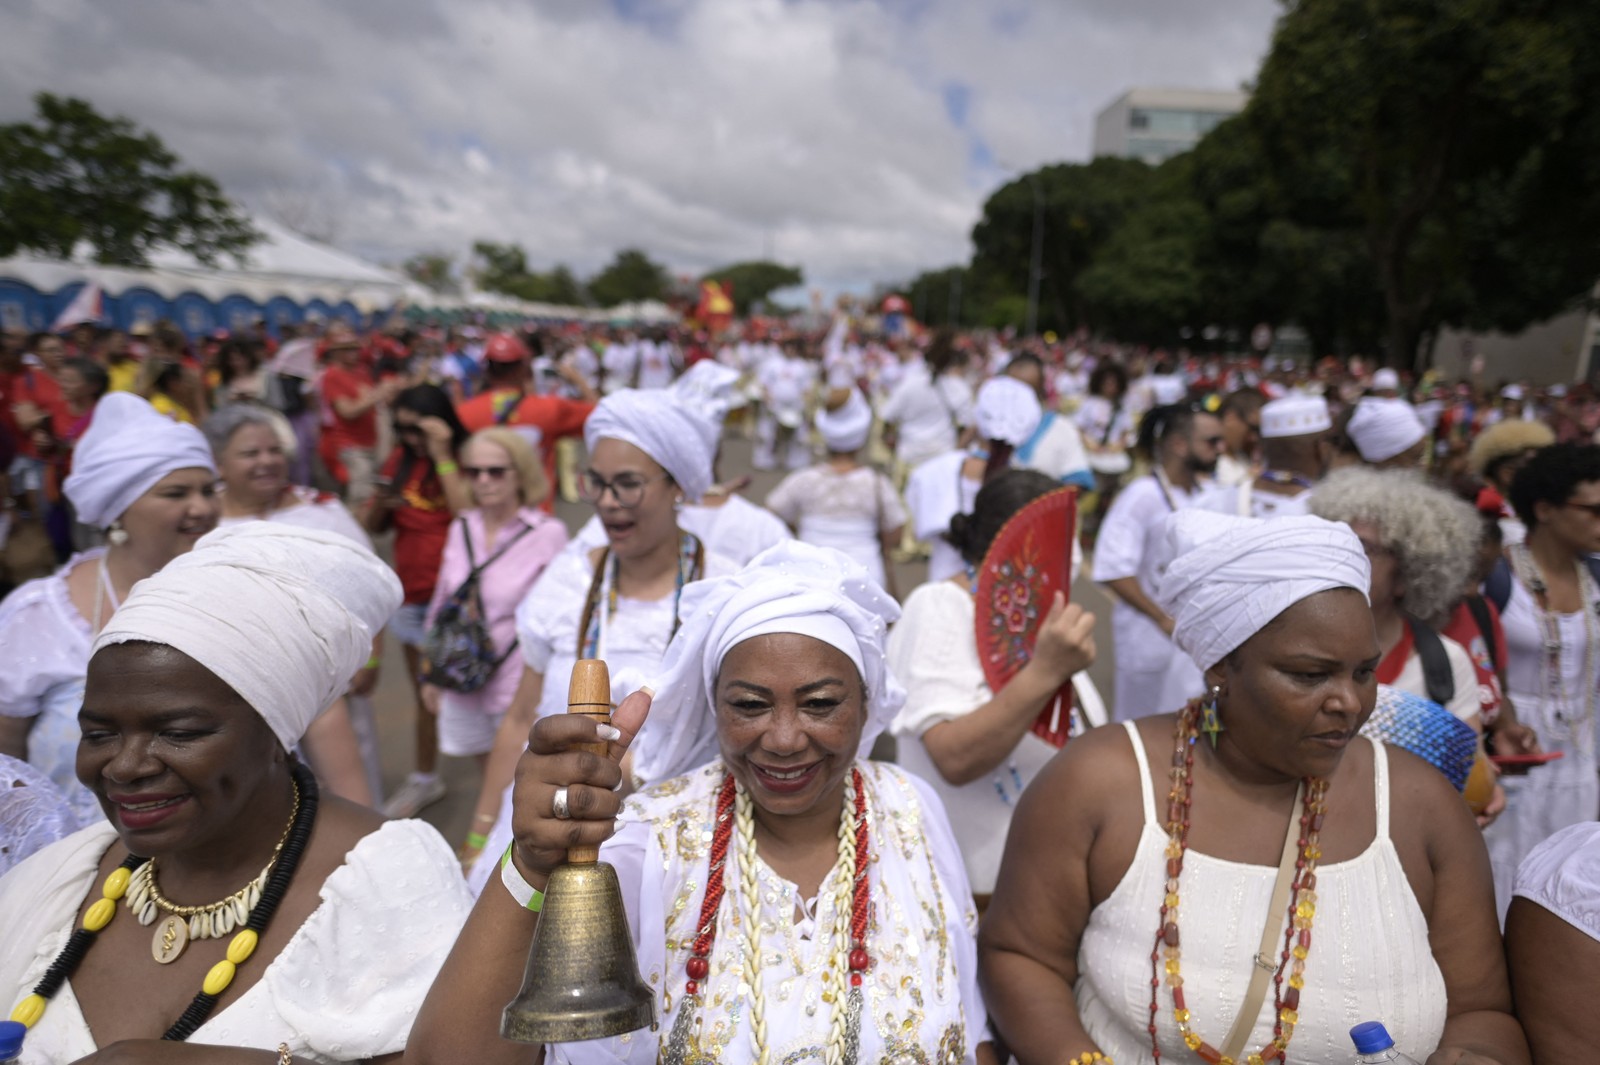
{"x": 703, "y": 131}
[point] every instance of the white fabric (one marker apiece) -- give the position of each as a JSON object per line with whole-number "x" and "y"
{"x": 657, "y": 424}
{"x": 922, "y": 994}
{"x": 283, "y": 616}
{"x": 1564, "y": 792}
{"x": 926, "y": 412}
{"x": 1231, "y": 576}
{"x": 33, "y": 812}
{"x": 706, "y": 391}
{"x": 738, "y": 529}
{"x": 1383, "y": 428}
{"x": 345, "y": 988}
{"x": 794, "y": 587}
{"x": 307, "y": 508}
{"x": 1462, "y": 673}
{"x": 848, "y": 511}
{"x": 1385, "y": 379}
{"x": 934, "y": 652}
{"x": 1167, "y": 388}
{"x": 44, "y": 643}
{"x": 936, "y": 492}
{"x": 847, "y": 428}
{"x": 1056, "y": 449}
{"x": 126, "y": 449}
{"x": 1370, "y": 954}
{"x": 1006, "y": 410}
{"x": 1247, "y": 500}
{"x": 1152, "y": 677}
{"x": 1562, "y": 874}
{"x": 1231, "y": 471}
{"x": 1296, "y": 414}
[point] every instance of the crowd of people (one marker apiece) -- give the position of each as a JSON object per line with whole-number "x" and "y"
{"x": 1355, "y": 628}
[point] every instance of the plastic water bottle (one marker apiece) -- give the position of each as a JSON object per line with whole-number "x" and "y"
{"x": 11, "y": 1033}
{"x": 1375, "y": 1047}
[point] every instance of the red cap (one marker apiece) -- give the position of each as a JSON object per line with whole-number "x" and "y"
{"x": 503, "y": 347}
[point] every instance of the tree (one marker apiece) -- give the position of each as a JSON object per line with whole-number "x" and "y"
{"x": 433, "y": 270}
{"x": 504, "y": 268}
{"x": 753, "y": 281}
{"x": 631, "y": 276}
{"x": 942, "y": 297}
{"x": 74, "y": 175}
{"x": 1455, "y": 144}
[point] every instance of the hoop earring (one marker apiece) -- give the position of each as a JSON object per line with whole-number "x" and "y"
{"x": 116, "y": 536}
{"x": 1210, "y": 723}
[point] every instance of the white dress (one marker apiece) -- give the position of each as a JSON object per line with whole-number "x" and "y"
{"x": 1370, "y": 956}
{"x": 1153, "y": 676}
{"x": 846, "y": 511}
{"x": 1245, "y": 500}
{"x": 926, "y": 412}
{"x": 1562, "y": 874}
{"x": 933, "y": 652}
{"x": 346, "y": 986}
{"x": 1564, "y": 792}
{"x": 44, "y": 645}
{"x": 922, "y": 997}
{"x": 311, "y": 509}
{"x": 937, "y": 492}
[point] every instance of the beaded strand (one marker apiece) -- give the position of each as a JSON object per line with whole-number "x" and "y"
{"x": 1166, "y": 955}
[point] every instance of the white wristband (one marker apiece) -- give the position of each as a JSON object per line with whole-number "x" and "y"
{"x": 527, "y": 896}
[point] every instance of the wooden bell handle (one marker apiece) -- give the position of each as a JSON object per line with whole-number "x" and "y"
{"x": 589, "y": 694}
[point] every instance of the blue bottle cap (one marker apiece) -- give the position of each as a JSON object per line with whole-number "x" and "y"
{"x": 11, "y": 1034}
{"x": 1371, "y": 1037}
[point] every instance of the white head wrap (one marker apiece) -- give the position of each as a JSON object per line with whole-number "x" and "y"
{"x": 657, "y": 424}
{"x": 706, "y": 391}
{"x": 1006, "y": 409}
{"x": 283, "y": 615}
{"x": 790, "y": 587}
{"x": 1383, "y": 428}
{"x": 1231, "y": 576}
{"x": 1167, "y": 389}
{"x": 1385, "y": 379}
{"x": 847, "y": 428}
{"x": 126, "y": 449}
{"x": 1296, "y": 414}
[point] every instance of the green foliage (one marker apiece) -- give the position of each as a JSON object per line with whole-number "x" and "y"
{"x": 754, "y": 281}
{"x": 433, "y": 270}
{"x": 73, "y": 174}
{"x": 631, "y": 276}
{"x": 942, "y": 297}
{"x": 504, "y": 268}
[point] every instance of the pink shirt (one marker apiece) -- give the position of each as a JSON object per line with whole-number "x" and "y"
{"x": 502, "y": 585}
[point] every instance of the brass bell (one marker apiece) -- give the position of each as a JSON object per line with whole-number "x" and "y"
{"x": 582, "y": 980}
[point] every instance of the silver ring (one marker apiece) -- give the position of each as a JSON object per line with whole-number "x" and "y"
{"x": 560, "y": 808}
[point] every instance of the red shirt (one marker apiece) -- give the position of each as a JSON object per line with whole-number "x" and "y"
{"x": 1463, "y": 629}
{"x": 28, "y": 385}
{"x": 553, "y": 416}
{"x": 340, "y": 432}
{"x": 421, "y": 526}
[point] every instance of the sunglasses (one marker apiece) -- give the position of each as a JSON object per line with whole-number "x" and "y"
{"x": 494, "y": 473}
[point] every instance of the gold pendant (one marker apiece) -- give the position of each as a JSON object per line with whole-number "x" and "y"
{"x": 172, "y": 935}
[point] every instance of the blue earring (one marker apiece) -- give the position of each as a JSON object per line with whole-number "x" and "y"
{"x": 1210, "y": 723}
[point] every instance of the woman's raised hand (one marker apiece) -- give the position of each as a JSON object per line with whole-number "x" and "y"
{"x": 1065, "y": 644}
{"x": 555, "y": 759}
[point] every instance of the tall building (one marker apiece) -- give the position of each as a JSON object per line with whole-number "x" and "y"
{"x": 1156, "y": 124}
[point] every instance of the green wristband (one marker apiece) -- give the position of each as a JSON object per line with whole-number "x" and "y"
{"x": 477, "y": 840}
{"x": 527, "y": 896}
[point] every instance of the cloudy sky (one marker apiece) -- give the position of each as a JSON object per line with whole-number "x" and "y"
{"x": 856, "y": 138}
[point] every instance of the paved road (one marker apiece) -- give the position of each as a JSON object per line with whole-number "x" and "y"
{"x": 452, "y": 814}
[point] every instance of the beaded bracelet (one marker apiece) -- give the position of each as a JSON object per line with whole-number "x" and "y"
{"x": 1090, "y": 1057}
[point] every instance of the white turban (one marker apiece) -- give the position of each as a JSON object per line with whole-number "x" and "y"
{"x": 283, "y": 615}
{"x": 128, "y": 447}
{"x": 1297, "y": 414}
{"x": 790, "y": 587}
{"x": 847, "y": 428}
{"x": 1383, "y": 428}
{"x": 656, "y": 423}
{"x": 1231, "y": 576}
{"x": 1006, "y": 409}
{"x": 706, "y": 391}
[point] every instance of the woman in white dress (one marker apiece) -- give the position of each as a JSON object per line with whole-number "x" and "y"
{"x": 1273, "y": 880}
{"x": 150, "y": 482}
{"x": 1552, "y": 626}
{"x": 840, "y": 927}
{"x": 975, "y": 746}
{"x": 840, "y": 503}
{"x": 330, "y": 922}
{"x": 619, "y": 602}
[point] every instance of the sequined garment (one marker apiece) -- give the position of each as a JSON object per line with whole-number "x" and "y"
{"x": 922, "y": 999}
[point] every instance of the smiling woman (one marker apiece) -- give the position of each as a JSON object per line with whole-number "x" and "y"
{"x": 226, "y": 902}
{"x": 776, "y": 882}
{"x": 1279, "y": 822}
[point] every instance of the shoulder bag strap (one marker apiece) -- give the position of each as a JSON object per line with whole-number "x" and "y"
{"x": 1262, "y": 971}
{"x": 1478, "y": 606}
{"x": 1437, "y": 675}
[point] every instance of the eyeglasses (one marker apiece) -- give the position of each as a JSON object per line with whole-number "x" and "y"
{"x": 627, "y": 489}
{"x": 494, "y": 473}
{"x": 1592, "y": 508}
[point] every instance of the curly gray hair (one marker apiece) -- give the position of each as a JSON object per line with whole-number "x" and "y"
{"x": 1432, "y": 534}
{"x": 225, "y": 421}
